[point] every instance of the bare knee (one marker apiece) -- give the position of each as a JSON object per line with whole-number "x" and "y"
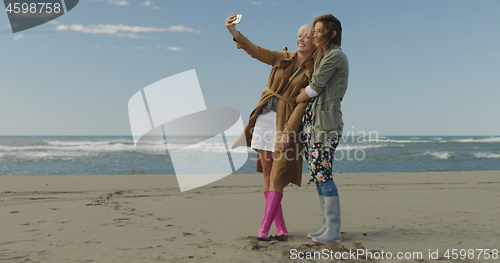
{"x": 266, "y": 159}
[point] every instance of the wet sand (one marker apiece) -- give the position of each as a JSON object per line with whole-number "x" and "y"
{"x": 145, "y": 218}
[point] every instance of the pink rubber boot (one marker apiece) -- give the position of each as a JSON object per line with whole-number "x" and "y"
{"x": 273, "y": 202}
{"x": 279, "y": 221}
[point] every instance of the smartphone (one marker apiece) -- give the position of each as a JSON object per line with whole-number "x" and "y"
{"x": 238, "y": 19}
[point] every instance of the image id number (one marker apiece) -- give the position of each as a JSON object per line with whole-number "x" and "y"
{"x": 471, "y": 253}
{"x": 33, "y": 8}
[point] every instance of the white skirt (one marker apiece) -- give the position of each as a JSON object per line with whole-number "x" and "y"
{"x": 264, "y": 132}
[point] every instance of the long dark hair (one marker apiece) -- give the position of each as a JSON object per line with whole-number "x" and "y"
{"x": 331, "y": 24}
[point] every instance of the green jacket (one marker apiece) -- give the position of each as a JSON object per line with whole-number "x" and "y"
{"x": 330, "y": 81}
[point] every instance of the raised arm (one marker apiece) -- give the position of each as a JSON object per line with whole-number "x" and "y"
{"x": 264, "y": 55}
{"x": 232, "y": 27}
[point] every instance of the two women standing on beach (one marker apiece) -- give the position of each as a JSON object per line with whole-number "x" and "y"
{"x": 274, "y": 123}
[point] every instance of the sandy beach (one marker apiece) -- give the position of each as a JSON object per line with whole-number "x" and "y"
{"x": 145, "y": 218}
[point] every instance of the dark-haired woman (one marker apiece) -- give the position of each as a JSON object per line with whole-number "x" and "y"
{"x": 323, "y": 120}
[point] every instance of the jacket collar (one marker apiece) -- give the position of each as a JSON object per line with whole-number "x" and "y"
{"x": 334, "y": 46}
{"x": 291, "y": 56}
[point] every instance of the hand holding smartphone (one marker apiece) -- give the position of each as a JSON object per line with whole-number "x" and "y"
{"x": 238, "y": 19}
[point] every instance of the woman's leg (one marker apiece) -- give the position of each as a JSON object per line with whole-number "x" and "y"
{"x": 279, "y": 220}
{"x": 273, "y": 202}
{"x": 322, "y": 203}
{"x": 273, "y": 210}
{"x": 332, "y": 214}
{"x": 266, "y": 159}
{"x": 328, "y": 188}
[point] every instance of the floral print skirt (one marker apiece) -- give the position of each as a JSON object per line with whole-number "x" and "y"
{"x": 319, "y": 155}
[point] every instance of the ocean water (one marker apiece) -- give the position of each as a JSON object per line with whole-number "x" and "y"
{"x": 80, "y": 155}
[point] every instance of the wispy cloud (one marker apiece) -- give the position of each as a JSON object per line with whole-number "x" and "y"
{"x": 181, "y": 28}
{"x": 149, "y": 4}
{"x": 260, "y": 2}
{"x": 158, "y": 47}
{"x": 174, "y": 48}
{"x": 121, "y": 30}
{"x": 116, "y": 2}
{"x": 18, "y": 36}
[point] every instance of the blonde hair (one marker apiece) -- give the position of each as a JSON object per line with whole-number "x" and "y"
{"x": 307, "y": 29}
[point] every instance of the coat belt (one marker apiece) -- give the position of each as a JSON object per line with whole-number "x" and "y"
{"x": 287, "y": 100}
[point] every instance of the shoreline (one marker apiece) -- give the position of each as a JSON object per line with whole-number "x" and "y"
{"x": 169, "y": 181}
{"x": 145, "y": 218}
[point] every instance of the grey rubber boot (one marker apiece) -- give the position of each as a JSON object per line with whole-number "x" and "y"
{"x": 323, "y": 229}
{"x": 332, "y": 221}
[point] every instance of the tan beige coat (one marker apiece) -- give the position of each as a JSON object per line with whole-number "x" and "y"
{"x": 287, "y": 165}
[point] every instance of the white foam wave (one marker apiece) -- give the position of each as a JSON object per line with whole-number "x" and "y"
{"x": 359, "y": 147}
{"x": 220, "y": 148}
{"x": 487, "y": 155}
{"x": 80, "y": 148}
{"x": 89, "y": 147}
{"x": 37, "y": 155}
{"x": 440, "y": 155}
{"x": 85, "y": 143}
{"x": 208, "y": 147}
{"x": 486, "y": 140}
{"x": 396, "y": 141}
{"x": 240, "y": 150}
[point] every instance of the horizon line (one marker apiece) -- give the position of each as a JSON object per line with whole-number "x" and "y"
{"x": 231, "y": 135}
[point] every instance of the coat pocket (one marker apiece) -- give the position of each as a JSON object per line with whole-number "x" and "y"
{"x": 327, "y": 121}
{"x": 330, "y": 116}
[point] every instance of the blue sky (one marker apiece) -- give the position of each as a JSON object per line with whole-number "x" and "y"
{"x": 416, "y": 67}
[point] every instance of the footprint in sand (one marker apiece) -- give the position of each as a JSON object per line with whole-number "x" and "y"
{"x": 147, "y": 214}
{"x": 122, "y": 221}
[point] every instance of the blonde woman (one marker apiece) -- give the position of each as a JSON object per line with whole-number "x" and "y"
{"x": 274, "y": 123}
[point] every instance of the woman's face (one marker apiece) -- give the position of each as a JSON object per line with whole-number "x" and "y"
{"x": 305, "y": 41}
{"x": 319, "y": 30}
